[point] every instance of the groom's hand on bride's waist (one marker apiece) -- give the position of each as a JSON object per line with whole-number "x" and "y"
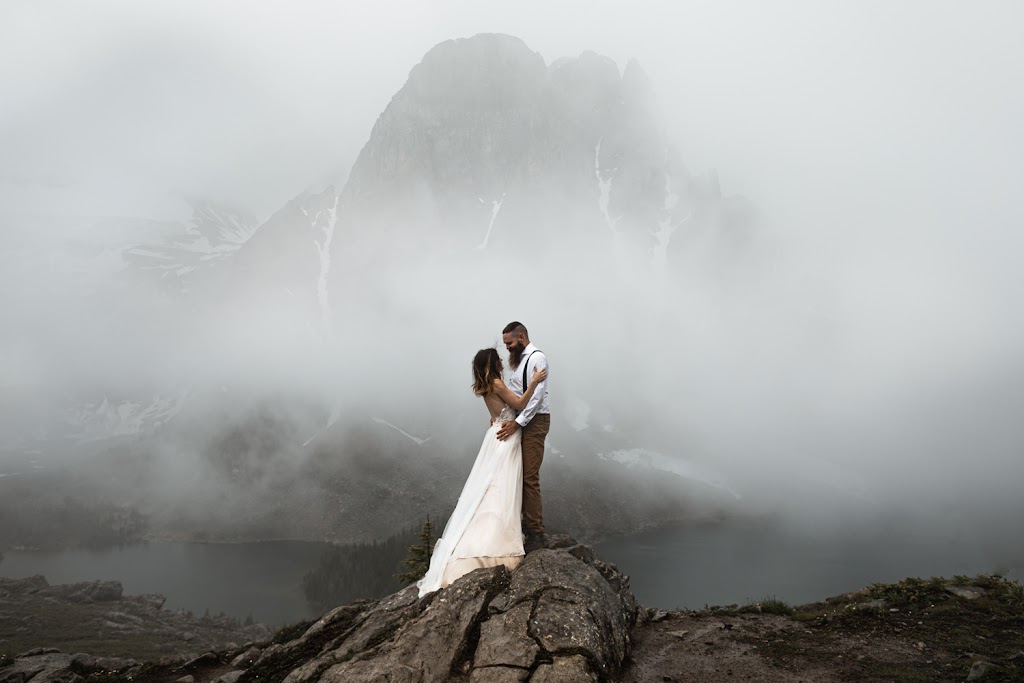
{"x": 507, "y": 429}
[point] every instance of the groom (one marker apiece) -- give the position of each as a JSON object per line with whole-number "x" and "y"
{"x": 534, "y": 420}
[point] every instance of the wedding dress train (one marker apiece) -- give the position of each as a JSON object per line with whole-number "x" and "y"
{"x": 485, "y": 528}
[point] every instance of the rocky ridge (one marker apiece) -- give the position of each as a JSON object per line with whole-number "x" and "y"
{"x": 97, "y": 617}
{"x": 563, "y": 615}
{"x": 566, "y": 616}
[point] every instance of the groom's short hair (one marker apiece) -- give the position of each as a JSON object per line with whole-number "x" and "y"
{"x": 516, "y": 328}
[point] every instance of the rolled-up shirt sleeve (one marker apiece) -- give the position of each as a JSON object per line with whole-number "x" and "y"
{"x": 537, "y": 360}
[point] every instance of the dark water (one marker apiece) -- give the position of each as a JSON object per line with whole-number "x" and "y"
{"x": 696, "y": 566}
{"x": 686, "y": 566}
{"x": 262, "y": 580}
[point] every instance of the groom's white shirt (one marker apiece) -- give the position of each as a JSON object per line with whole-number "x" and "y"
{"x": 539, "y": 401}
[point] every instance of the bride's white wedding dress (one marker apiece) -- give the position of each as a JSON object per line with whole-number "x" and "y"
{"x": 485, "y": 529}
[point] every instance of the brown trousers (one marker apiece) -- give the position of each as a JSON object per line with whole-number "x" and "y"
{"x": 534, "y": 434}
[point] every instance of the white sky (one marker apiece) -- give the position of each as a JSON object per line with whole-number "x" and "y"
{"x": 801, "y": 105}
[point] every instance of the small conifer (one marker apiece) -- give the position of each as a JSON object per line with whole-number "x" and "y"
{"x": 419, "y": 556}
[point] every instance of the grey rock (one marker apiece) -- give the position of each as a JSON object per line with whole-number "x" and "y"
{"x": 26, "y": 586}
{"x": 38, "y": 651}
{"x": 8, "y": 676}
{"x": 878, "y": 603}
{"x": 428, "y": 647}
{"x": 83, "y": 662}
{"x": 345, "y": 633}
{"x": 247, "y": 658}
{"x": 575, "y": 669}
{"x": 89, "y": 591}
{"x": 56, "y": 676}
{"x": 499, "y": 674}
{"x": 656, "y": 615}
{"x": 149, "y": 601}
{"x": 113, "y": 664}
{"x": 966, "y": 592}
{"x": 186, "y": 679}
{"x": 32, "y": 666}
{"x": 86, "y": 663}
{"x": 346, "y": 614}
{"x": 979, "y": 669}
{"x": 230, "y": 677}
{"x": 274, "y": 652}
{"x": 207, "y": 658}
{"x": 505, "y": 640}
{"x": 561, "y": 605}
{"x": 372, "y": 670}
{"x": 102, "y": 591}
{"x": 556, "y": 541}
{"x": 577, "y": 609}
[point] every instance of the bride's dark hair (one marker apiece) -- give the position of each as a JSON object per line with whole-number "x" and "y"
{"x": 486, "y": 369}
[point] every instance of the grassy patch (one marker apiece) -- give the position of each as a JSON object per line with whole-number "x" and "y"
{"x": 767, "y": 605}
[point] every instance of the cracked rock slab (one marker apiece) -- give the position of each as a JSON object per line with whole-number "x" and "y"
{"x": 562, "y": 615}
{"x": 573, "y": 669}
{"x": 499, "y": 674}
{"x": 427, "y": 647}
{"x": 505, "y": 640}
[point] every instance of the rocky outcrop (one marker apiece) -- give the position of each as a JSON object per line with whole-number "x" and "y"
{"x": 47, "y": 665}
{"x": 96, "y": 616}
{"x": 563, "y": 615}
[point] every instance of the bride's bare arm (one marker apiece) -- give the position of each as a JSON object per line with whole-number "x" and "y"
{"x": 519, "y": 402}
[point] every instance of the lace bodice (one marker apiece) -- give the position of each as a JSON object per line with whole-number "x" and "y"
{"x": 507, "y": 413}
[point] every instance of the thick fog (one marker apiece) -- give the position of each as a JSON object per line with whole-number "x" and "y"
{"x": 858, "y": 352}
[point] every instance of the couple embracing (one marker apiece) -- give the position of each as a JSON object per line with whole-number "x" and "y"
{"x": 500, "y": 502}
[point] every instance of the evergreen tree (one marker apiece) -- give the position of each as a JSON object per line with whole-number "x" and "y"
{"x": 419, "y": 556}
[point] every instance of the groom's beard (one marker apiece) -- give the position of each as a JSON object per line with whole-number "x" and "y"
{"x": 514, "y": 356}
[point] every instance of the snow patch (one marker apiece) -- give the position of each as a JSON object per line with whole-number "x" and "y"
{"x": 641, "y": 457}
{"x": 324, "y": 250}
{"x": 125, "y": 418}
{"x": 416, "y": 439}
{"x": 666, "y": 227}
{"x": 606, "y": 189}
{"x": 335, "y": 414}
{"x": 495, "y": 208}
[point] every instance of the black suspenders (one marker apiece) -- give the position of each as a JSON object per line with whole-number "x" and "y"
{"x": 525, "y": 362}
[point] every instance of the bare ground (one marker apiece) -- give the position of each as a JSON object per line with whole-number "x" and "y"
{"x": 916, "y": 630}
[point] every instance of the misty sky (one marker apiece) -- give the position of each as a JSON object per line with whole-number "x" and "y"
{"x": 859, "y": 110}
{"x": 881, "y": 141}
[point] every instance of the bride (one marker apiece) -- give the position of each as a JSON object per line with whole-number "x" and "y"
{"x": 485, "y": 528}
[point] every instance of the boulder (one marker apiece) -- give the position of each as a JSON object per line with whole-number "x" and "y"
{"x": 562, "y": 615}
{"x": 430, "y": 646}
{"x": 573, "y": 669}
{"x": 247, "y": 658}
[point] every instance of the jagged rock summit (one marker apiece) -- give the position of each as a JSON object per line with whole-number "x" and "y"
{"x": 486, "y": 152}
